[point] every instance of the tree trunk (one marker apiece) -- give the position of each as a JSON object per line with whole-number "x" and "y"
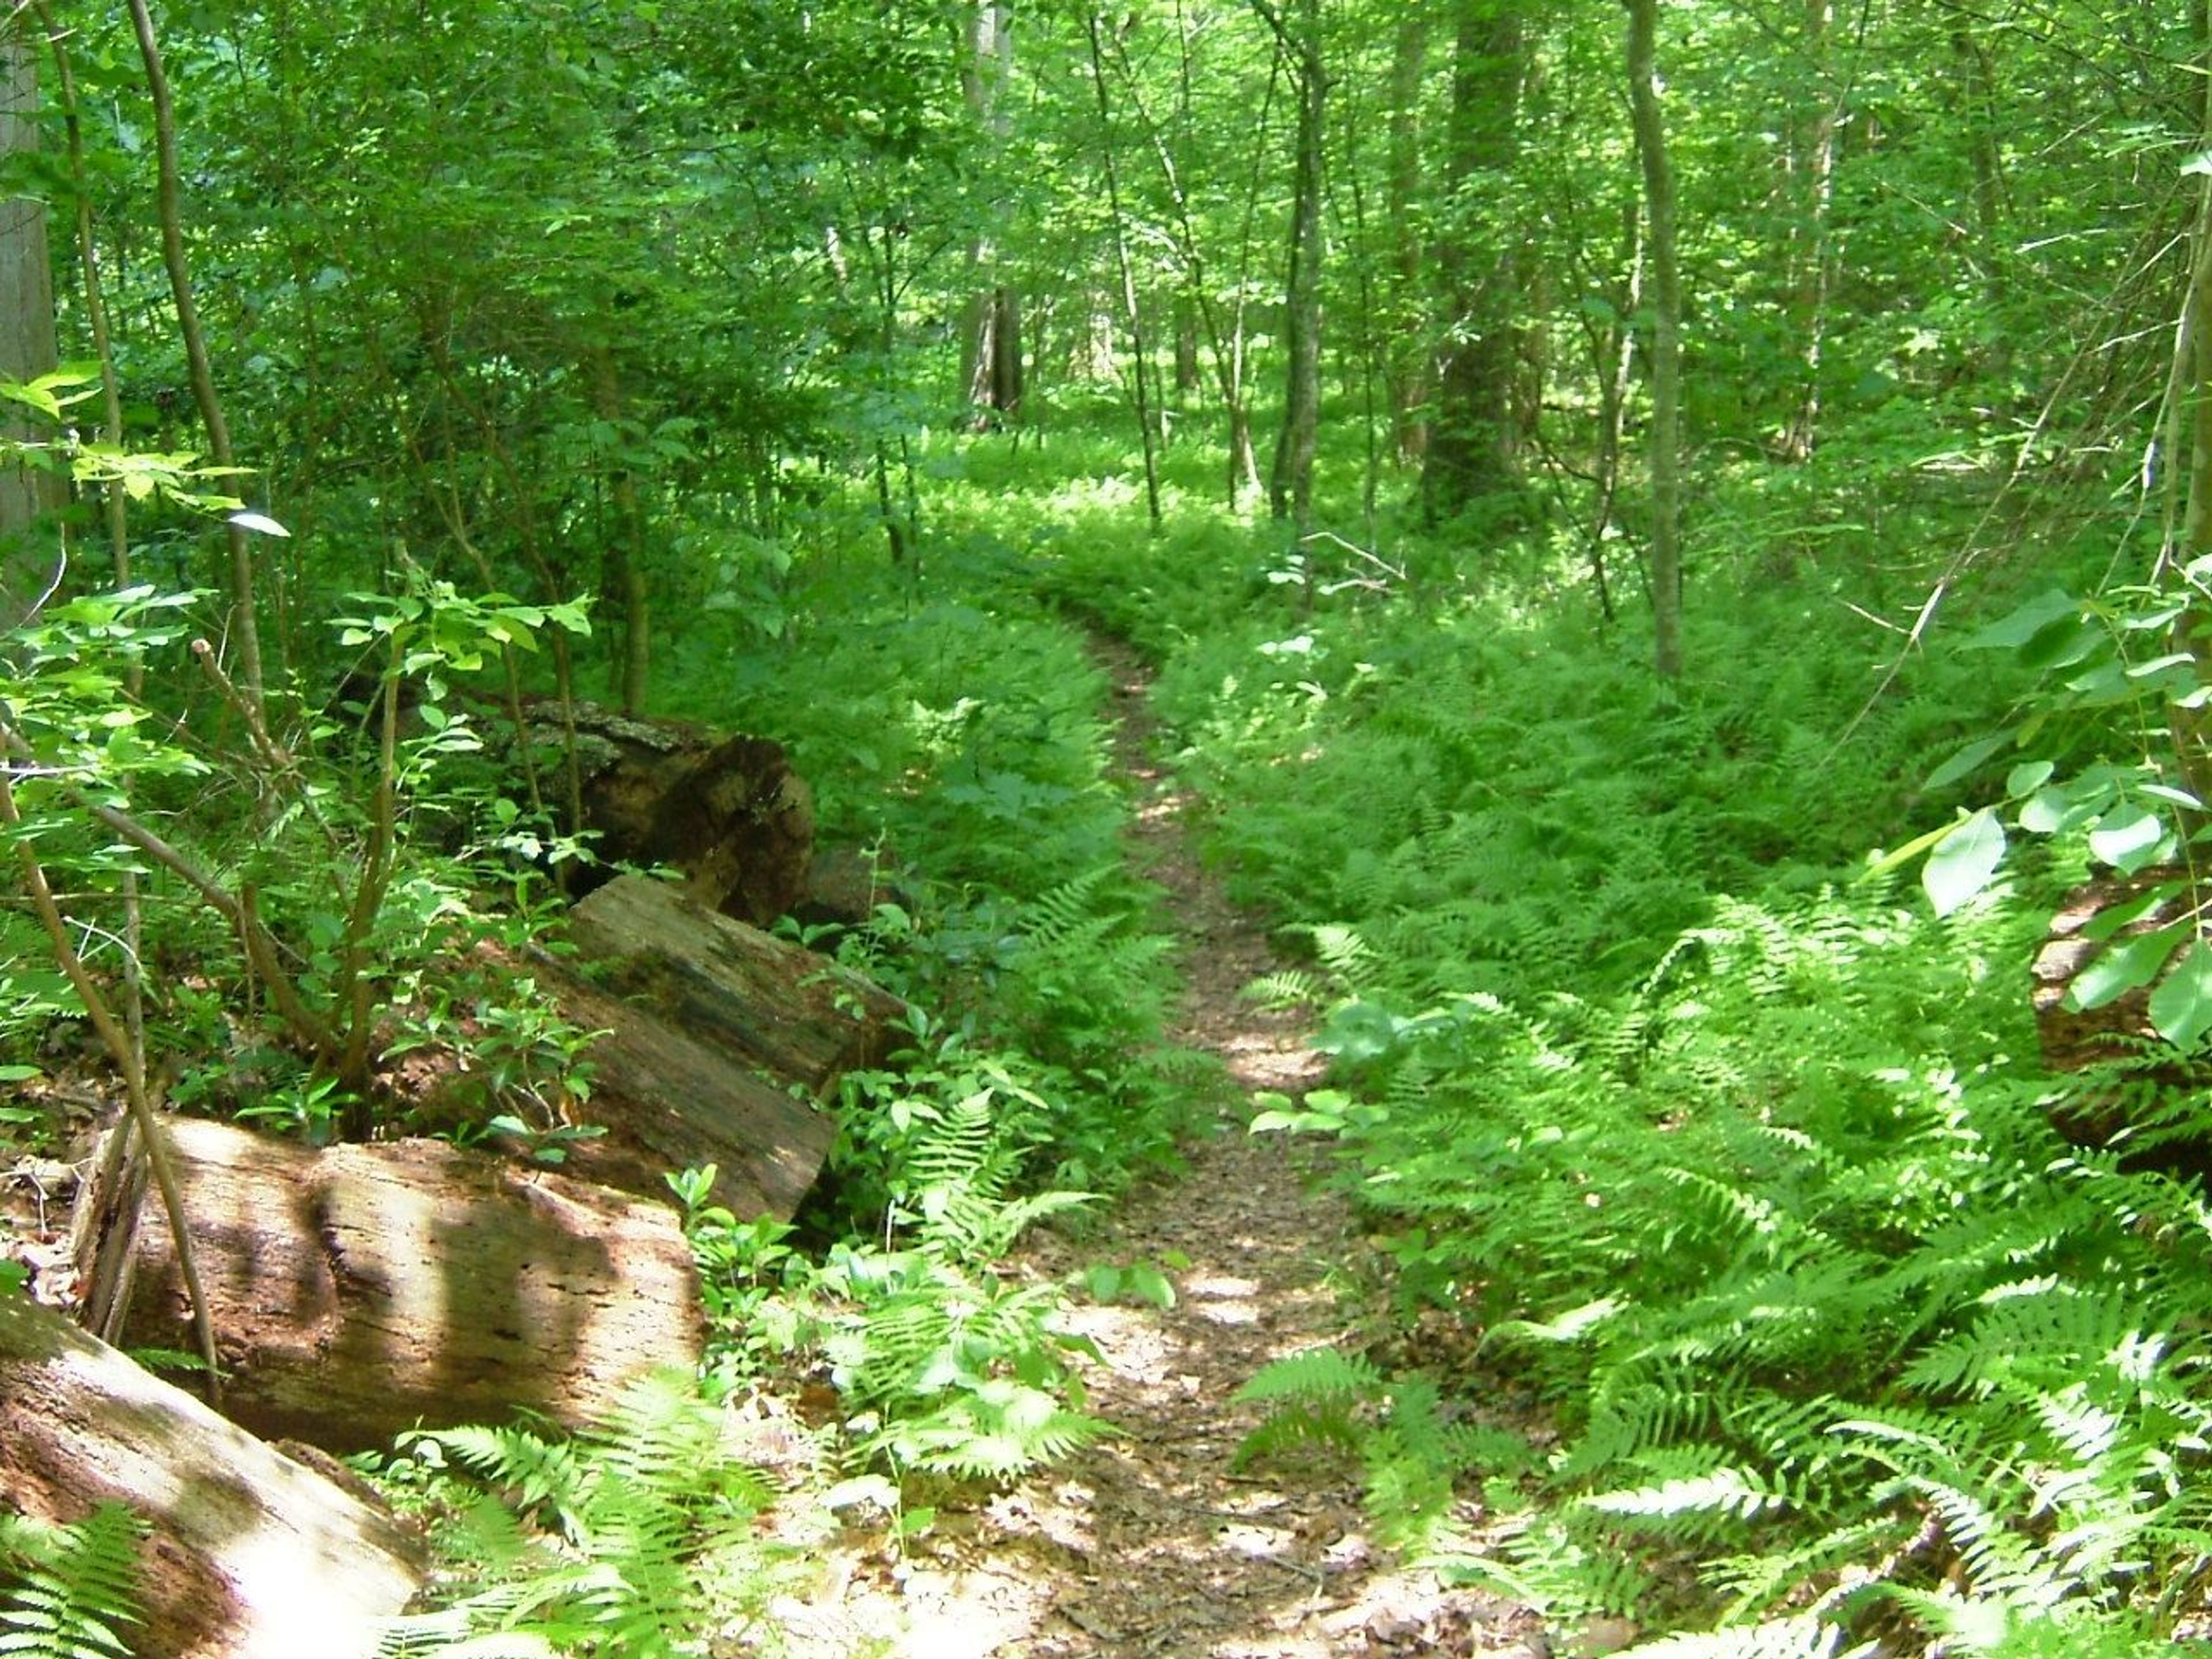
{"x": 31, "y": 567}
{"x": 673, "y": 1099}
{"x": 728, "y": 811}
{"x": 991, "y": 343}
{"x": 1139, "y": 356}
{"x": 1471, "y": 443}
{"x": 250, "y": 1555}
{"x": 622, "y": 587}
{"x": 244, "y": 612}
{"x": 1813, "y": 162}
{"x": 1410, "y": 388}
{"x": 1665, "y": 337}
{"x": 1290, "y": 486}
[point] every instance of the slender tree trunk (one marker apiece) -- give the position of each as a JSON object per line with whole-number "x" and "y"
{"x": 1140, "y": 357}
{"x": 623, "y": 584}
{"x": 27, "y": 299}
{"x": 1665, "y": 337}
{"x": 1410, "y": 378}
{"x": 244, "y": 619}
{"x": 1814, "y": 162}
{"x": 991, "y": 345}
{"x": 2189, "y": 432}
{"x": 1472, "y": 452}
{"x": 1290, "y": 486}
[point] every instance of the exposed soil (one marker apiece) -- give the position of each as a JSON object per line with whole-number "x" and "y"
{"x": 1156, "y": 1542}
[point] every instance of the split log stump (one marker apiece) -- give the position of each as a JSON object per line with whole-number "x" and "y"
{"x": 251, "y": 1555}
{"x": 728, "y": 811}
{"x": 361, "y": 1291}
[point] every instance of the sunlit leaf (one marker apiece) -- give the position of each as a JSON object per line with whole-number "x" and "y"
{"x": 1964, "y": 861}
{"x": 2127, "y": 966}
{"x": 2181, "y": 1007}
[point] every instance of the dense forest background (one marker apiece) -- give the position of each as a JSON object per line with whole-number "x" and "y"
{"x": 1669, "y": 537}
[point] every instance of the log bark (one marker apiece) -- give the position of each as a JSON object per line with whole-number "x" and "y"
{"x": 728, "y": 811}
{"x": 363, "y": 1290}
{"x": 761, "y": 1002}
{"x": 250, "y": 1556}
{"x": 669, "y": 1101}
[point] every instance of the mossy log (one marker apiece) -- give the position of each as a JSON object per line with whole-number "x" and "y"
{"x": 249, "y": 1554}
{"x": 760, "y": 1001}
{"x": 361, "y": 1291}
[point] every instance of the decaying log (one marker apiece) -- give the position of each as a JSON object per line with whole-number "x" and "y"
{"x": 728, "y": 811}
{"x": 760, "y": 1001}
{"x": 250, "y": 1555}
{"x": 668, "y": 1100}
{"x": 360, "y": 1291}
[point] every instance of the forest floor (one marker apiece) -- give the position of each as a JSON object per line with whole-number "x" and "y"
{"x": 1155, "y": 1542}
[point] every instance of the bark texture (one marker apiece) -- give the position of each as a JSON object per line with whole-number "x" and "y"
{"x": 729, "y": 812}
{"x": 761, "y": 1002}
{"x": 675, "y": 1099}
{"x": 252, "y": 1555}
{"x": 361, "y": 1291}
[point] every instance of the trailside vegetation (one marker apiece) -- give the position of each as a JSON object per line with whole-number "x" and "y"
{"x": 1737, "y": 556}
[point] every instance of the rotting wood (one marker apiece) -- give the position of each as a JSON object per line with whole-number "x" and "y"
{"x": 250, "y": 1555}
{"x": 728, "y": 811}
{"x": 758, "y": 999}
{"x": 670, "y": 1100}
{"x": 361, "y": 1289}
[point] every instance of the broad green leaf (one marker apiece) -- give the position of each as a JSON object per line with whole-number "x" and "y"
{"x": 2127, "y": 966}
{"x": 2181, "y": 1006}
{"x": 1964, "y": 760}
{"x": 2128, "y": 838}
{"x": 2120, "y": 916}
{"x": 1963, "y": 861}
{"x": 2024, "y": 623}
{"x": 260, "y": 523}
{"x": 2027, "y": 778}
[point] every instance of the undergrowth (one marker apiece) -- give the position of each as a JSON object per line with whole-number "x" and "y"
{"x": 1729, "y": 1150}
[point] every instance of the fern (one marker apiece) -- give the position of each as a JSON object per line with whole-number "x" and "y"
{"x": 645, "y": 1540}
{"x": 74, "y": 1588}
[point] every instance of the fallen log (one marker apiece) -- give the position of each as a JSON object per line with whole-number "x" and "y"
{"x": 760, "y": 1001}
{"x": 250, "y": 1555}
{"x": 361, "y": 1291}
{"x": 728, "y": 811}
{"x": 669, "y": 1100}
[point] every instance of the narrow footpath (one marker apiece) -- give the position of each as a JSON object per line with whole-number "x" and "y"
{"x": 1155, "y": 1542}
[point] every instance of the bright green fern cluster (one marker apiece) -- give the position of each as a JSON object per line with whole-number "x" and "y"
{"x": 69, "y": 1592}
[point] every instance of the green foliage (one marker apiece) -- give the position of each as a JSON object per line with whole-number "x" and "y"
{"x": 639, "y": 1537}
{"x": 69, "y": 1592}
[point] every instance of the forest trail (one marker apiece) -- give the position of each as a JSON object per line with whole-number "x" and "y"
{"x": 1154, "y": 1542}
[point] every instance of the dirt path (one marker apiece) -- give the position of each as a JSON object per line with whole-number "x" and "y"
{"x": 1155, "y": 1543}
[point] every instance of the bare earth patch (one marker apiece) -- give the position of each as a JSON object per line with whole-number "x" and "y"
{"x": 1156, "y": 1542}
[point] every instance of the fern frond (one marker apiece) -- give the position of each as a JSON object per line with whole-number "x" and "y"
{"x": 75, "y": 1586}
{"x": 1313, "y": 1375}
